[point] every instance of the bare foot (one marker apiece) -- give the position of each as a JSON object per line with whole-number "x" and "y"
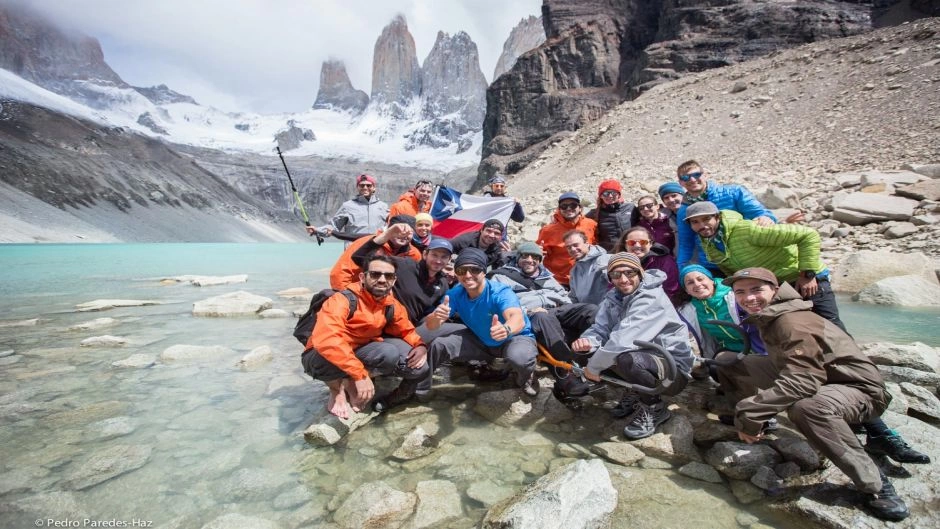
{"x": 338, "y": 405}
{"x": 350, "y": 389}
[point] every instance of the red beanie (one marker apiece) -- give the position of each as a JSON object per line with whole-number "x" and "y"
{"x": 609, "y": 185}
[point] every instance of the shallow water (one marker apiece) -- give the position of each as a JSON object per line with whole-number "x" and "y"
{"x": 206, "y": 437}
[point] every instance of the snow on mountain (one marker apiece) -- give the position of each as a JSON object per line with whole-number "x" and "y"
{"x": 369, "y": 136}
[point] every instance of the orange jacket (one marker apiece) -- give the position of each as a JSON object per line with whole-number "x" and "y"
{"x": 345, "y": 271}
{"x": 408, "y": 205}
{"x": 336, "y": 339}
{"x": 550, "y": 239}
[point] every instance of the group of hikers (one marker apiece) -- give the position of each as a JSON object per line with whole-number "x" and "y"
{"x": 701, "y": 271}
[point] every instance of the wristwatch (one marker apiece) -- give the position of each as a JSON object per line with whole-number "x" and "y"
{"x": 808, "y": 274}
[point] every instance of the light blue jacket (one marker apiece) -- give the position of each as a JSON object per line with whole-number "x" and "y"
{"x": 588, "y": 277}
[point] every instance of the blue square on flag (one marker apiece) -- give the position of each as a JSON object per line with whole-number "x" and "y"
{"x": 446, "y": 203}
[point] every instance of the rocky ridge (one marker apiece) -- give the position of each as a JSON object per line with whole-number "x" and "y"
{"x": 528, "y": 34}
{"x": 396, "y": 74}
{"x": 336, "y": 91}
{"x": 599, "y": 53}
{"x": 787, "y": 125}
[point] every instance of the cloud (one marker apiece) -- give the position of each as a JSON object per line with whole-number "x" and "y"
{"x": 265, "y": 56}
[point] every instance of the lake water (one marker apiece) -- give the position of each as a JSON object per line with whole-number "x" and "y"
{"x": 179, "y": 444}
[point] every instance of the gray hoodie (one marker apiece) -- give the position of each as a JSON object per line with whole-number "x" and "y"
{"x": 588, "y": 277}
{"x": 360, "y": 216}
{"x": 647, "y": 315}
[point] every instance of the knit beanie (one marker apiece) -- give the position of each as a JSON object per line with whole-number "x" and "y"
{"x": 609, "y": 185}
{"x": 424, "y": 217}
{"x": 625, "y": 259}
{"x": 670, "y": 187}
{"x": 694, "y": 268}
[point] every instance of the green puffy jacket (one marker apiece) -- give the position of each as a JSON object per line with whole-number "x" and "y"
{"x": 784, "y": 249}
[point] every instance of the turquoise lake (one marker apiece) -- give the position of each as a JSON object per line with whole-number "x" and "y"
{"x": 180, "y": 444}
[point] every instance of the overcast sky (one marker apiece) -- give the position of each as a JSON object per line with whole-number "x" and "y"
{"x": 265, "y": 55}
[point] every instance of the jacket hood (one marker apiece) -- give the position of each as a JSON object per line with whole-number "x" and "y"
{"x": 561, "y": 220}
{"x": 363, "y": 200}
{"x": 594, "y": 251}
{"x": 409, "y": 196}
{"x": 786, "y": 300}
{"x": 658, "y": 250}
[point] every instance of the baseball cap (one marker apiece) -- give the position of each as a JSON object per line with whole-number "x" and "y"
{"x": 700, "y": 208}
{"x": 752, "y": 273}
{"x": 570, "y": 195}
{"x": 440, "y": 243}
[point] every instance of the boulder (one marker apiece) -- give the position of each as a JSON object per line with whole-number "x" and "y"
{"x": 488, "y": 493}
{"x": 930, "y": 170}
{"x": 106, "y": 464}
{"x": 865, "y": 267}
{"x": 438, "y": 504}
{"x": 239, "y": 303}
{"x": 926, "y": 190}
{"x": 274, "y": 313}
{"x": 257, "y": 356}
{"x": 330, "y": 429}
{"x": 922, "y": 403}
{"x": 194, "y": 353}
{"x": 915, "y": 355}
{"x": 739, "y": 460}
{"x": 673, "y": 442}
{"x": 105, "y": 304}
{"x": 929, "y": 380}
{"x": 375, "y": 505}
{"x": 298, "y": 293}
{"x": 417, "y": 443}
{"x": 620, "y": 453}
{"x": 863, "y": 208}
{"x": 701, "y": 472}
{"x": 766, "y": 479}
{"x": 797, "y": 450}
{"x": 104, "y": 341}
{"x": 904, "y": 291}
{"x": 899, "y": 230}
{"x": 780, "y": 198}
{"x": 95, "y": 324}
{"x": 574, "y": 496}
{"x": 138, "y": 361}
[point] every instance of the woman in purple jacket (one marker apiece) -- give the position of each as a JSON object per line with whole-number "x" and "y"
{"x": 657, "y": 223}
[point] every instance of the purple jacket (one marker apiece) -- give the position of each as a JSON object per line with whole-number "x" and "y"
{"x": 659, "y": 258}
{"x": 660, "y": 229}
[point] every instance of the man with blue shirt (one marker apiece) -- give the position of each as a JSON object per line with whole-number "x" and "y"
{"x": 694, "y": 179}
{"x": 497, "y": 327}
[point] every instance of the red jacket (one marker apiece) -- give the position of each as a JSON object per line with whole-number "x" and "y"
{"x": 550, "y": 239}
{"x": 345, "y": 271}
{"x": 336, "y": 339}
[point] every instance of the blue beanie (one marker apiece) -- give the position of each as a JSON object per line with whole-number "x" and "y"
{"x": 670, "y": 187}
{"x": 694, "y": 268}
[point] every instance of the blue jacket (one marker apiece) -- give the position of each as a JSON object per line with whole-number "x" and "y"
{"x": 726, "y": 196}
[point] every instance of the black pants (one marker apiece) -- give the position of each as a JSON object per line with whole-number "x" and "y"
{"x": 638, "y": 367}
{"x": 824, "y": 302}
{"x": 388, "y": 357}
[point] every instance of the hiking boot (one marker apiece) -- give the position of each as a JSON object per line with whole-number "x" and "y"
{"x": 531, "y": 386}
{"x": 394, "y": 398}
{"x": 572, "y": 386}
{"x": 894, "y": 446}
{"x": 487, "y": 374}
{"x": 645, "y": 420}
{"x": 886, "y": 504}
{"x": 626, "y": 406}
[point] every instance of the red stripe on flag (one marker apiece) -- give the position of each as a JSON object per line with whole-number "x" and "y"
{"x": 451, "y": 227}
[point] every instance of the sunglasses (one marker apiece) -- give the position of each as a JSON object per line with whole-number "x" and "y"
{"x": 530, "y": 256}
{"x": 647, "y": 206}
{"x": 569, "y": 205}
{"x": 374, "y": 275}
{"x": 366, "y": 185}
{"x": 696, "y": 175}
{"x": 464, "y": 270}
{"x": 610, "y": 194}
{"x": 617, "y": 274}
{"x": 637, "y": 242}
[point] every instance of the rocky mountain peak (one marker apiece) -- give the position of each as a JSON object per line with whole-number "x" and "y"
{"x": 163, "y": 95}
{"x": 396, "y": 75}
{"x": 336, "y": 91}
{"x": 528, "y": 34}
{"x": 40, "y": 52}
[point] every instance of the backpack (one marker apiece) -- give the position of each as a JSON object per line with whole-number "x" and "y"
{"x": 308, "y": 320}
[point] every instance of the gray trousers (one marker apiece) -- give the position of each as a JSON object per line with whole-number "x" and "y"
{"x": 434, "y": 356}
{"x": 464, "y": 346}
{"x": 823, "y": 419}
{"x": 388, "y": 357}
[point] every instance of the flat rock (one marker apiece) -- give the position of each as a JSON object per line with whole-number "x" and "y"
{"x": 20, "y": 323}
{"x": 95, "y": 324}
{"x": 929, "y": 380}
{"x": 865, "y": 267}
{"x": 509, "y": 407}
{"x": 253, "y": 484}
{"x": 239, "y": 303}
{"x": 903, "y": 291}
{"x": 862, "y": 208}
{"x": 137, "y": 361}
{"x": 438, "y": 504}
{"x": 797, "y": 450}
{"x": 921, "y": 402}
{"x": 739, "y": 460}
{"x": 106, "y": 304}
{"x": 674, "y": 441}
{"x": 109, "y": 428}
{"x": 208, "y": 281}
{"x": 375, "y": 505}
{"x": 578, "y": 495}
{"x": 104, "y": 341}
{"x": 766, "y": 479}
{"x": 926, "y": 190}
{"x": 274, "y": 313}
{"x": 899, "y": 230}
{"x": 488, "y": 493}
{"x": 299, "y": 293}
{"x": 701, "y": 472}
{"x": 915, "y": 355}
{"x": 745, "y": 491}
{"x": 194, "y": 353}
{"x": 620, "y": 453}
{"x": 330, "y": 429}
{"x": 930, "y": 170}
{"x": 258, "y": 356}
{"x": 107, "y": 464}
{"x": 892, "y": 178}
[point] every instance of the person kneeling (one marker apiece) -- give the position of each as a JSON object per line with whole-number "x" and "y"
{"x": 637, "y": 308}
{"x": 816, "y": 373}
{"x": 376, "y": 337}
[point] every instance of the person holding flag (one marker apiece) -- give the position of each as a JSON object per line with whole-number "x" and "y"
{"x": 456, "y": 213}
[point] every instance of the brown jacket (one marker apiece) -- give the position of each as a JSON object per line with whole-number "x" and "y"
{"x": 806, "y": 351}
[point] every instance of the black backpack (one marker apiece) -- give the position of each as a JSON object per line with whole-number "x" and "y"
{"x": 308, "y": 321}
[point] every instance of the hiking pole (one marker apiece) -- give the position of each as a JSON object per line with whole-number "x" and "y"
{"x": 300, "y": 204}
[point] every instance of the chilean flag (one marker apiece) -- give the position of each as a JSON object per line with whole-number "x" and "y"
{"x": 456, "y": 213}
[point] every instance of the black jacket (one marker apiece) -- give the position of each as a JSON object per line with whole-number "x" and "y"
{"x": 612, "y": 221}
